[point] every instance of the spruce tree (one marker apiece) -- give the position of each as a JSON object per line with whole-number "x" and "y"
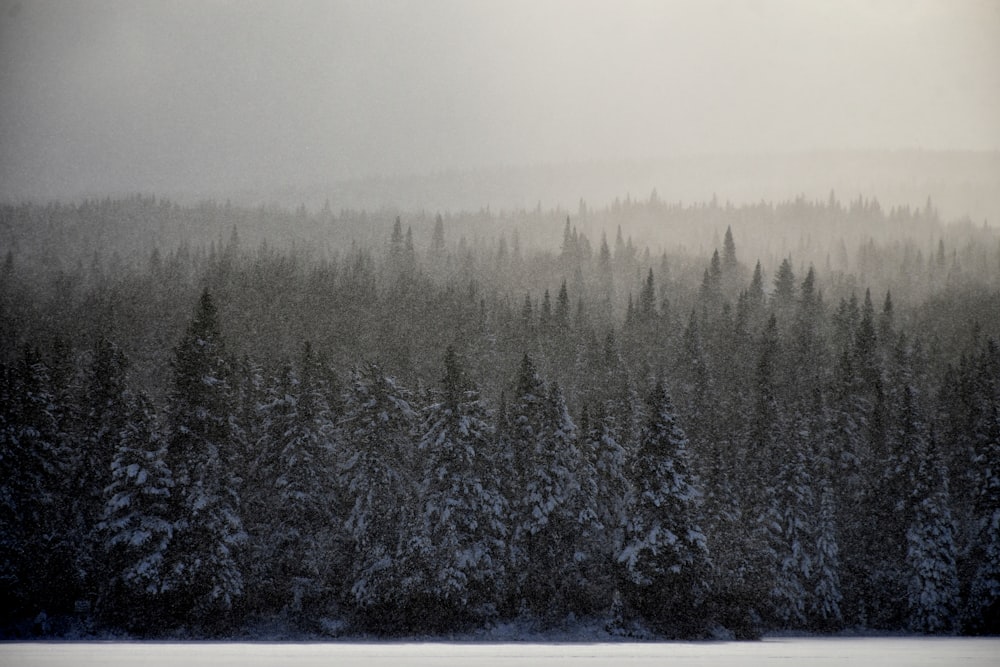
{"x": 136, "y": 525}
{"x": 665, "y": 557}
{"x": 204, "y": 577}
{"x": 456, "y": 545}
{"x": 32, "y": 545}
{"x": 297, "y": 528}
{"x": 550, "y": 517}
{"x": 930, "y": 548}
{"x": 824, "y": 603}
{"x": 375, "y": 472}
{"x": 784, "y": 286}
{"x": 983, "y": 425}
{"x": 107, "y": 416}
{"x": 789, "y": 527}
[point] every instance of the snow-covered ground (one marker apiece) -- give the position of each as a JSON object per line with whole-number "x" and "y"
{"x": 885, "y": 652}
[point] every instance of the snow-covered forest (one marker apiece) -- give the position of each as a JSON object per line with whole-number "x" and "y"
{"x": 688, "y": 420}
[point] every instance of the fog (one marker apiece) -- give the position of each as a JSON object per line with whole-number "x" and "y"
{"x": 212, "y": 97}
{"x": 626, "y": 321}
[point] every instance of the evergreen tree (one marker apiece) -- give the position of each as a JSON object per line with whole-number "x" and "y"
{"x": 665, "y": 557}
{"x": 203, "y": 572}
{"x": 550, "y": 517}
{"x": 562, "y": 308}
{"x": 788, "y": 526}
{"x": 931, "y": 550}
{"x": 33, "y": 556}
{"x": 136, "y": 523}
{"x": 437, "y": 239}
{"x": 647, "y": 299}
{"x": 375, "y": 473}
{"x": 784, "y": 286}
{"x": 298, "y": 527}
{"x": 109, "y": 404}
{"x": 983, "y": 424}
{"x": 456, "y": 547}
{"x": 602, "y": 435}
{"x": 755, "y": 293}
{"x": 729, "y": 262}
{"x": 824, "y": 603}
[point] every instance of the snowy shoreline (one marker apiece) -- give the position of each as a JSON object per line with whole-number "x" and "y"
{"x": 911, "y": 651}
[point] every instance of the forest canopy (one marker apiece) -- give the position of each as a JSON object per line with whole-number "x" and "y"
{"x": 699, "y": 419}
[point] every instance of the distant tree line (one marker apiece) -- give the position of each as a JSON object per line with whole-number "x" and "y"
{"x": 424, "y": 437}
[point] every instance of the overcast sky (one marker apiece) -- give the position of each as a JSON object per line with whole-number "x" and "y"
{"x": 210, "y": 95}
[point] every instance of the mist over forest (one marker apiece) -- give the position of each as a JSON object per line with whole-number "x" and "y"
{"x": 350, "y": 319}
{"x": 782, "y": 416}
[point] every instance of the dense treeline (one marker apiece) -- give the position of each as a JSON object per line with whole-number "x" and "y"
{"x": 412, "y": 434}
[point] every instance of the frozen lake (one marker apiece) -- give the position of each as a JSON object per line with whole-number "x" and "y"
{"x": 886, "y": 652}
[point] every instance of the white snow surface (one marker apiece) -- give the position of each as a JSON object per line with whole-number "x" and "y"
{"x": 885, "y": 652}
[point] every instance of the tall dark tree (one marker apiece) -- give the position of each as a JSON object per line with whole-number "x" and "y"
{"x": 108, "y": 414}
{"x": 375, "y": 472}
{"x": 784, "y": 286}
{"x": 33, "y": 551}
{"x": 295, "y": 530}
{"x": 665, "y": 557}
{"x": 137, "y": 524}
{"x": 204, "y": 578}
{"x": 456, "y": 546}
{"x": 930, "y": 546}
{"x": 550, "y": 515}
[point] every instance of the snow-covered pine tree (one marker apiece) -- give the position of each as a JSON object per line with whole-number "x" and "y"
{"x": 204, "y": 577}
{"x": 135, "y": 526}
{"x": 456, "y": 549}
{"x": 105, "y": 417}
{"x": 599, "y": 433}
{"x": 983, "y": 605}
{"x": 29, "y": 467}
{"x": 257, "y": 390}
{"x": 932, "y": 588}
{"x": 550, "y": 518}
{"x": 845, "y": 446}
{"x": 37, "y": 544}
{"x": 898, "y": 438}
{"x": 825, "y": 601}
{"x": 788, "y": 524}
{"x": 294, "y": 530}
{"x": 665, "y": 557}
{"x": 750, "y": 537}
{"x": 376, "y": 475}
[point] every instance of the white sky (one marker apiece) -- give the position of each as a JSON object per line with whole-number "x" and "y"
{"x": 201, "y": 95}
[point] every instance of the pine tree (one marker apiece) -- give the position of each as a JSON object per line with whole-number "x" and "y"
{"x": 32, "y": 554}
{"x": 930, "y": 548}
{"x": 824, "y": 603}
{"x": 865, "y": 345}
{"x": 784, "y": 286}
{"x": 437, "y": 239}
{"x": 603, "y": 439}
{"x": 550, "y": 516}
{"x": 665, "y": 557}
{"x": 562, "y": 308}
{"x": 729, "y": 262}
{"x": 788, "y": 526}
{"x": 106, "y": 418}
{"x": 204, "y": 576}
{"x": 647, "y": 299}
{"x": 755, "y": 293}
{"x": 298, "y": 527}
{"x": 456, "y": 547}
{"x": 136, "y": 524}
{"x": 375, "y": 472}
